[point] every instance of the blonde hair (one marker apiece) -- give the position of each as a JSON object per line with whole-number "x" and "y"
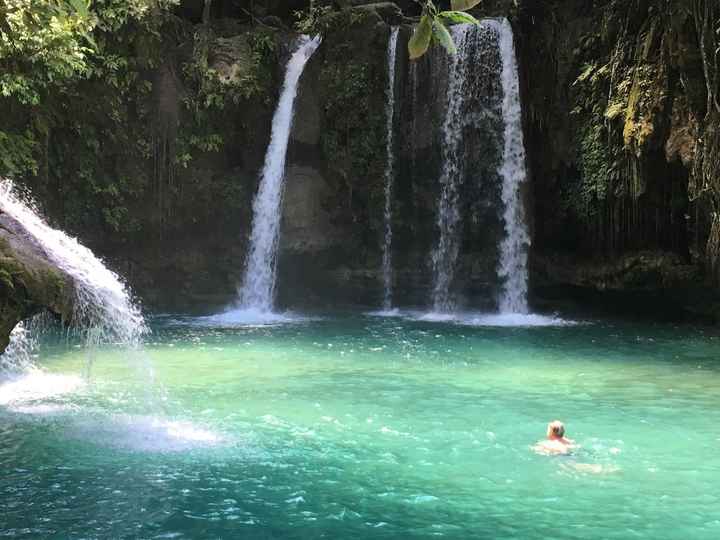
{"x": 556, "y": 428}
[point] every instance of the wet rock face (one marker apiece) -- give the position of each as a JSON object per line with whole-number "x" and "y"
{"x": 29, "y": 282}
{"x": 613, "y": 120}
{"x": 307, "y": 217}
{"x": 644, "y": 271}
{"x": 333, "y": 225}
{"x": 195, "y": 220}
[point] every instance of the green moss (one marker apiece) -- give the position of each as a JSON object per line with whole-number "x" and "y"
{"x": 223, "y": 71}
{"x": 352, "y": 135}
{"x": 353, "y": 86}
{"x": 29, "y": 285}
{"x": 6, "y": 279}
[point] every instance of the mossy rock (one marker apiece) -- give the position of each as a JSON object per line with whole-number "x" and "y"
{"x": 29, "y": 281}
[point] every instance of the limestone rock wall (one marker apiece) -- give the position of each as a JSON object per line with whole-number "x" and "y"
{"x": 621, "y": 144}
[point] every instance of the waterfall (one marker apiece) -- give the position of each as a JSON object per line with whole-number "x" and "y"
{"x": 444, "y": 256}
{"x": 483, "y": 105}
{"x": 513, "y": 248}
{"x": 258, "y": 289}
{"x": 472, "y": 107}
{"x": 18, "y": 354}
{"x": 103, "y": 308}
{"x": 389, "y": 170}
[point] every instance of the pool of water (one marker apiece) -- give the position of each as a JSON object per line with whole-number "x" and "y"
{"x": 366, "y": 427}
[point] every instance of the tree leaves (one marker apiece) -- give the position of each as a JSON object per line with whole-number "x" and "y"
{"x": 432, "y": 27}
{"x": 463, "y": 5}
{"x": 420, "y": 40}
{"x": 458, "y": 17}
{"x": 80, "y": 7}
{"x": 442, "y": 36}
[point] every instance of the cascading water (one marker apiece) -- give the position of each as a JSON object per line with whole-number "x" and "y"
{"x": 483, "y": 104}
{"x": 387, "y": 269}
{"x": 18, "y": 354}
{"x": 513, "y": 248}
{"x": 445, "y": 254}
{"x": 257, "y": 292}
{"x": 103, "y": 309}
{"x": 471, "y": 113}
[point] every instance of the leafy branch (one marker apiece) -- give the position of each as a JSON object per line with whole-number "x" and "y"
{"x": 433, "y": 26}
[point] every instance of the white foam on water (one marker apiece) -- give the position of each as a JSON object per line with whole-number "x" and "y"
{"x": 144, "y": 433}
{"x": 394, "y": 312}
{"x": 434, "y": 316}
{"x": 489, "y": 319}
{"x": 516, "y": 319}
{"x": 37, "y": 385}
{"x": 43, "y": 409}
{"x": 248, "y": 317}
{"x": 38, "y": 393}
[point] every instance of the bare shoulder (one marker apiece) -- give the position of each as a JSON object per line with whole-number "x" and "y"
{"x": 549, "y": 448}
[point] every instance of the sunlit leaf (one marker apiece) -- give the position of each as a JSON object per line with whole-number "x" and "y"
{"x": 441, "y": 34}
{"x": 80, "y": 7}
{"x": 458, "y": 17}
{"x": 420, "y": 40}
{"x": 463, "y": 5}
{"x": 88, "y": 37}
{"x": 5, "y": 27}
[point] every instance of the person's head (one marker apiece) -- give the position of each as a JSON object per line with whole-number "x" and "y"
{"x": 556, "y": 430}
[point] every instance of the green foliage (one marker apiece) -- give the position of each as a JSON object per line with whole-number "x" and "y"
{"x": 47, "y": 48}
{"x": 353, "y": 136}
{"x": 42, "y": 43}
{"x": 75, "y": 97}
{"x": 215, "y": 90}
{"x": 420, "y": 40}
{"x": 457, "y": 17}
{"x": 17, "y": 152}
{"x": 443, "y": 37}
{"x": 432, "y": 26}
{"x": 213, "y": 87}
{"x": 463, "y": 5}
{"x": 85, "y": 125}
{"x": 313, "y": 20}
{"x": 594, "y": 154}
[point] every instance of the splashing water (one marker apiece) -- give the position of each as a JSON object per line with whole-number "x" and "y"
{"x": 513, "y": 248}
{"x": 389, "y": 170}
{"x": 17, "y": 357}
{"x": 258, "y": 289}
{"x": 103, "y": 308}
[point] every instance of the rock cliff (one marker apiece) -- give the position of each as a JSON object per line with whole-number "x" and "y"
{"x": 620, "y": 116}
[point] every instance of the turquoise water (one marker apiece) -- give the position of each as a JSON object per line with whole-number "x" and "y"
{"x": 361, "y": 427}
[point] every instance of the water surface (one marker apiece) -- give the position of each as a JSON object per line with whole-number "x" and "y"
{"x": 367, "y": 427}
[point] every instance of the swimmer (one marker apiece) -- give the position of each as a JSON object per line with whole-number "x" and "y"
{"x": 556, "y": 442}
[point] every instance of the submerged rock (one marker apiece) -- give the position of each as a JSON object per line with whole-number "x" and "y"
{"x": 29, "y": 282}
{"x": 642, "y": 271}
